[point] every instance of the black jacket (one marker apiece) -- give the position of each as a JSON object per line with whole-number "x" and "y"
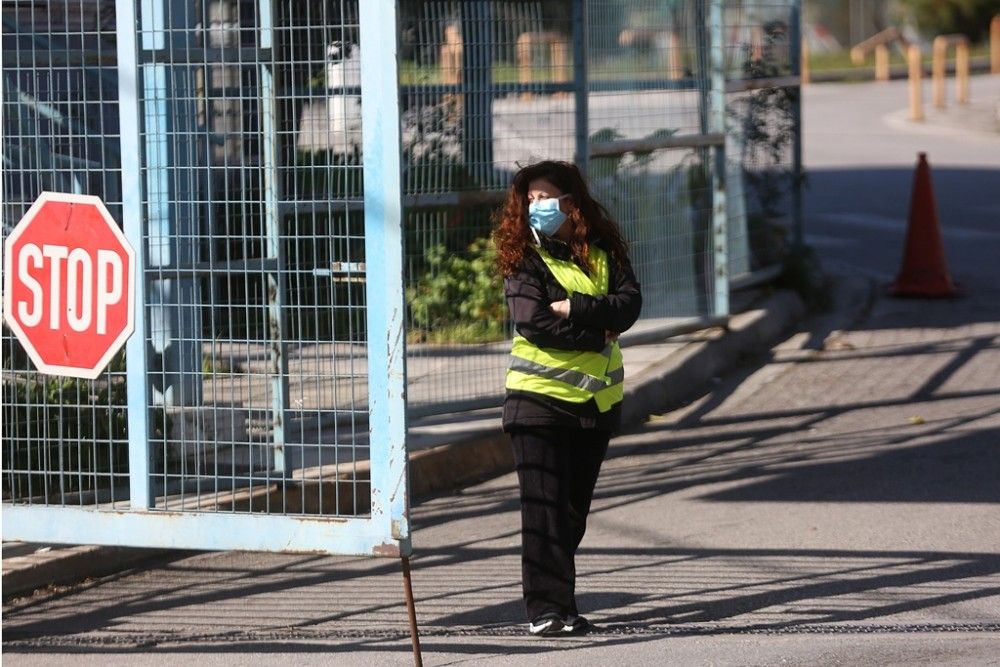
{"x": 529, "y": 292}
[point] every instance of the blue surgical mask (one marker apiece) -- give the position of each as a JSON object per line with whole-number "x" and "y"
{"x": 544, "y": 215}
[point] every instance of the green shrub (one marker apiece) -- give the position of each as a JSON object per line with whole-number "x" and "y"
{"x": 940, "y": 17}
{"x": 458, "y": 298}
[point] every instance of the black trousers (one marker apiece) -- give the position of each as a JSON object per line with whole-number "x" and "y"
{"x": 557, "y": 469}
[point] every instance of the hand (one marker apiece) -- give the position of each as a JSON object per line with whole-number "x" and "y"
{"x": 560, "y": 308}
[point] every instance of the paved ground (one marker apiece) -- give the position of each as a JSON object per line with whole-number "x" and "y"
{"x": 860, "y": 154}
{"x": 832, "y": 502}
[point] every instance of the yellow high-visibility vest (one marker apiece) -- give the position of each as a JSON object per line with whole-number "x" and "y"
{"x": 571, "y": 375}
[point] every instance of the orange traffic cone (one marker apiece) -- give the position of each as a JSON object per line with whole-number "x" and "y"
{"x": 924, "y": 272}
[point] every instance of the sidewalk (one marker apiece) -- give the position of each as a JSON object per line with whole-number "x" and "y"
{"x": 664, "y": 583}
{"x": 797, "y": 514}
{"x": 451, "y": 451}
{"x": 981, "y": 115}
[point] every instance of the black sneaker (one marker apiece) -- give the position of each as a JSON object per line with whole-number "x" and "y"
{"x": 577, "y": 625}
{"x": 554, "y": 625}
{"x": 548, "y": 625}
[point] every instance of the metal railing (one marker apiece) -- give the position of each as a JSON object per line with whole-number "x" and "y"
{"x": 879, "y": 43}
{"x": 940, "y": 48}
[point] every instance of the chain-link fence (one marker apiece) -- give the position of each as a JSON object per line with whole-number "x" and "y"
{"x": 250, "y": 157}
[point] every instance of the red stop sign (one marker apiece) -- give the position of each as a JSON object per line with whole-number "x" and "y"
{"x": 69, "y": 285}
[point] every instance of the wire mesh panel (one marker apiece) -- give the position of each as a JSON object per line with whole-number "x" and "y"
{"x": 249, "y": 159}
{"x": 255, "y": 399}
{"x": 487, "y": 86}
{"x": 763, "y": 130}
{"x": 620, "y": 86}
{"x": 65, "y": 440}
{"x": 649, "y": 80}
{"x": 258, "y": 334}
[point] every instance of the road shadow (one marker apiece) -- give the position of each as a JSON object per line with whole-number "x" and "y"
{"x": 963, "y": 469}
{"x": 637, "y": 593}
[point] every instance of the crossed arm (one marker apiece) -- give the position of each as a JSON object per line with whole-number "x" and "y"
{"x": 548, "y": 317}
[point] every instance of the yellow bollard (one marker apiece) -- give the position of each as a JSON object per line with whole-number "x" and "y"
{"x": 559, "y": 60}
{"x": 451, "y": 56}
{"x": 938, "y": 67}
{"x": 451, "y": 68}
{"x": 913, "y": 57}
{"x": 525, "y": 44}
{"x": 557, "y": 52}
{"x": 879, "y": 43}
{"x": 881, "y": 62}
{"x": 939, "y": 49}
{"x": 995, "y": 45}
{"x": 804, "y": 64}
{"x": 675, "y": 57}
{"x": 756, "y": 44}
{"x": 962, "y": 72}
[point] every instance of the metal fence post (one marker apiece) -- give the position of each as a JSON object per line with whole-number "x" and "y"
{"x": 581, "y": 92}
{"x": 796, "y": 58}
{"x": 137, "y": 379}
{"x": 703, "y": 42}
{"x": 172, "y": 191}
{"x": 717, "y": 123}
{"x": 276, "y": 282}
{"x": 477, "y": 84}
{"x": 381, "y": 148}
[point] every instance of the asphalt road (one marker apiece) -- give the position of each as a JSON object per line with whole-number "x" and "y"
{"x": 834, "y": 502}
{"x": 860, "y": 153}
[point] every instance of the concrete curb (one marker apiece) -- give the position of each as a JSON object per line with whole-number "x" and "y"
{"x": 65, "y": 566}
{"x": 659, "y": 387}
{"x": 685, "y": 373}
{"x": 454, "y": 465}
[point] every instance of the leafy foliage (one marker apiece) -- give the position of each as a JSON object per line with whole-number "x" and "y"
{"x": 968, "y": 17}
{"x": 768, "y": 126}
{"x": 458, "y": 298}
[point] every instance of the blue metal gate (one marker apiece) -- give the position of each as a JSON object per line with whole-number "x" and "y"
{"x": 260, "y": 404}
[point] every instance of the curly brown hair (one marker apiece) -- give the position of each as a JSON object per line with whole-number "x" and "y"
{"x": 512, "y": 236}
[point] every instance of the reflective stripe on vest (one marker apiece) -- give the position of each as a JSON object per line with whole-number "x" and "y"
{"x": 571, "y": 375}
{"x": 575, "y": 378}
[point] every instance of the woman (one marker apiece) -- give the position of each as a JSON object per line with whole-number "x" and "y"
{"x": 570, "y": 290}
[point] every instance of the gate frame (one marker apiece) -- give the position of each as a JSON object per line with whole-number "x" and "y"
{"x": 386, "y": 530}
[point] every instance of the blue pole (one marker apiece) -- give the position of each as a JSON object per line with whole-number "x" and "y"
{"x": 137, "y": 380}
{"x": 276, "y": 283}
{"x": 795, "y": 45}
{"x": 580, "y": 88}
{"x": 381, "y": 148}
{"x": 477, "y": 81}
{"x": 717, "y": 124}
